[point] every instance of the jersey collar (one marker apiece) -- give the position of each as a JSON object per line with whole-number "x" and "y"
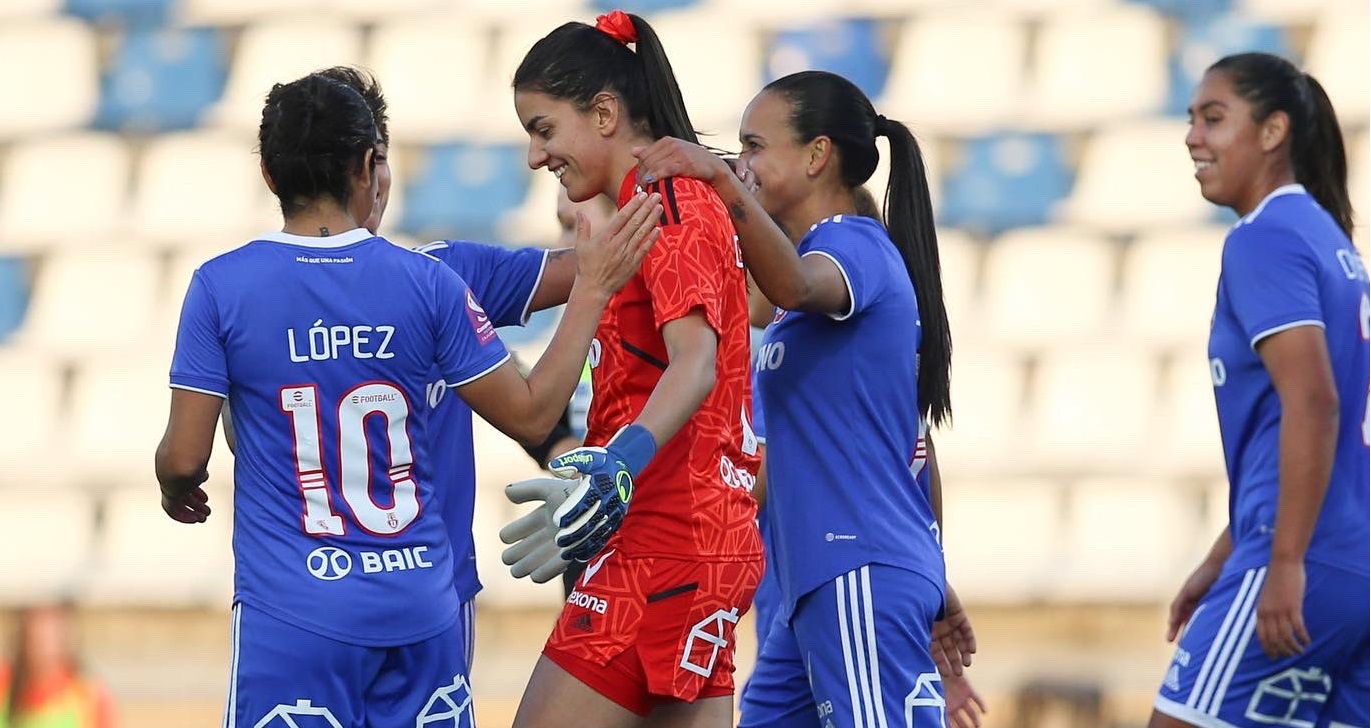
{"x": 356, "y": 235}
{"x": 1290, "y": 189}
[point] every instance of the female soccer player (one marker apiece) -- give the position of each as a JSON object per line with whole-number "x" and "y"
{"x": 324, "y": 337}
{"x": 856, "y": 358}
{"x": 648, "y": 630}
{"x": 1288, "y": 355}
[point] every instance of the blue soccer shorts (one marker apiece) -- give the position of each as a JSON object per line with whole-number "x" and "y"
{"x": 283, "y": 676}
{"x": 1220, "y": 678}
{"x": 854, "y": 655}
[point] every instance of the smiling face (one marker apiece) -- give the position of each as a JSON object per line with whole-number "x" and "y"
{"x": 778, "y": 160}
{"x": 570, "y": 142}
{"x": 1235, "y": 155}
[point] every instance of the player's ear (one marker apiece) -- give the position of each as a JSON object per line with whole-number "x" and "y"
{"x": 1274, "y": 130}
{"x": 819, "y": 153}
{"x": 605, "y": 113}
{"x": 266, "y": 177}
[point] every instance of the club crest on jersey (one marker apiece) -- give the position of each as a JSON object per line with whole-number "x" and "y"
{"x": 780, "y": 314}
{"x": 485, "y": 331}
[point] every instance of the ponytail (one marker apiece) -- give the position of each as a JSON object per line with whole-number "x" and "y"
{"x": 908, "y": 209}
{"x": 577, "y": 61}
{"x": 1321, "y": 159}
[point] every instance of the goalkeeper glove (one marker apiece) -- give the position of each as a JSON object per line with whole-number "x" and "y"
{"x": 596, "y": 505}
{"x": 532, "y": 549}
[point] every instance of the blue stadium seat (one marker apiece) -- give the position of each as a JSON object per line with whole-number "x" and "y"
{"x": 848, "y": 47}
{"x": 1189, "y": 10}
{"x": 641, "y": 7}
{"x": 464, "y": 189}
{"x": 1205, "y": 40}
{"x": 1005, "y": 180}
{"x": 133, "y": 13}
{"x": 14, "y": 294}
{"x": 162, "y": 79}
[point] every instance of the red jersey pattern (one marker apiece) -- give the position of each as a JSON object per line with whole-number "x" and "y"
{"x": 694, "y": 499}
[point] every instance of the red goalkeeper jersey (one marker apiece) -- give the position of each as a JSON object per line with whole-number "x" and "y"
{"x": 694, "y": 499}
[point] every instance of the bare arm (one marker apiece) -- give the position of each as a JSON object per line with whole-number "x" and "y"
{"x": 183, "y": 455}
{"x": 691, "y": 350}
{"x": 760, "y": 311}
{"x": 811, "y": 283}
{"x": 554, "y": 288}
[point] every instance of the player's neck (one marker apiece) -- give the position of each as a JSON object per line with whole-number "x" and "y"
{"x": 320, "y": 220}
{"x": 622, "y": 162}
{"x": 811, "y": 210}
{"x": 1270, "y": 180}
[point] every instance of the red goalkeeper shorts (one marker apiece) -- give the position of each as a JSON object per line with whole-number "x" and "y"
{"x": 641, "y": 631}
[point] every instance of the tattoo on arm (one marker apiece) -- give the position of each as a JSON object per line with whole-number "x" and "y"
{"x": 738, "y": 211}
{"x": 323, "y": 232}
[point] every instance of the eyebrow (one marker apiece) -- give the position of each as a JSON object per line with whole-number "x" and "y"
{"x": 751, "y": 136}
{"x": 534, "y": 122}
{"x": 1206, "y": 105}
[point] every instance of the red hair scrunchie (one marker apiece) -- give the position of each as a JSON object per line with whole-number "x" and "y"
{"x": 617, "y": 25}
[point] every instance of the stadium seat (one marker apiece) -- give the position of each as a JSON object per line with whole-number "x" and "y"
{"x": 162, "y": 79}
{"x": 1074, "y": 86}
{"x": 118, "y": 414}
{"x": 1359, "y": 187}
{"x": 279, "y": 52}
{"x": 30, "y": 443}
{"x": 1190, "y": 443}
{"x": 1045, "y": 286}
{"x": 851, "y": 48}
{"x": 1092, "y": 409}
{"x": 1002, "y": 539}
{"x": 932, "y": 158}
{"x": 239, "y": 12}
{"x": 1169, "y": 281}
{"x": 551, "y": 13}
{"x": 959, "y": 257}
{"x": 1004, "y": 181}
{"x": 1048, "y": 9}
{"x": 1157, "y": 190}
{"x": 68, "y": 187}
{"x": 1191, "y": 11}
{"x": 202, "y": 190}
{"x": 12, "y": 10}
{"x": 462, "y": 191}
{"x": 434, "y": 102}
{"x": 956, "y": 72}
{"x": 987, "y": 413}
{"x": 512, "y": 41}
{"x": 45, "y": 543}
{"x": 131, "y": 13}
{"x": 1204, "y": 40}
{"x": 1127, "y": 540}
{"x": 534, "y": 221}
{"x": 767, "y": 15}
{"x": 641, "y": 7}
{"x": 87, "y": 301}
{"x": 14, "y": 294}
{"x": 1284, "y": 12}
{"x": 143, "y": 558}
{"x": 367, "y": 11}
{"x": 717, "y": 85}
{"x": 1337, "y": 48}
{"x": 59, "y": 93}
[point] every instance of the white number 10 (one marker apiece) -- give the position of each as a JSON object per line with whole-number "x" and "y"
{"x": 354, "y": 454}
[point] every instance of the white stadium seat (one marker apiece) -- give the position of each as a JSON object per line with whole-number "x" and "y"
{"x": 202, "y": 190}
{"x": 45, "y": 543}
{"x": 89, "y": 301}
{"x": 142, "y": 557}
{"x": 1190, "y": 444}
{"x": 119, "y": 412}
{"x": 58, "y": 93}
{"x": 717, "y": 85}
{"x": 1337, "y": 49}
{"x": 1044, "y": 286}
{"x": 1091, "y": 67}
{"x": 1284, "y": 12}
{"x": 280, "y": 52}
{"x": 1136, "y": 175}
{"x": 237, "y": 12}
{"x": 434, "y": 101}
{"x": 957, "y": 72}
{"x": 1169, "y": 281}
{"x": 11, "y": 10}
{"x": 1092, "y": 409}
{"x": 65, "y": 187}
{"x": 959, "y": 257}
{"x": 31, "y": 452}
{"x": 542, "y": 14}
{"x": 1002, "y": 539}
{"x": 987, "y": 413}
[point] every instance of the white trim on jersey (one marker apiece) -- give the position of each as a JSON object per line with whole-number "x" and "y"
{"x": 355, "y": 235}
{"x": 231, "y": 704}
{"x": 1290, "y": 189}
{"x": 1284, "y": 327}
{"x": 220, "y": 395}
{"x": 1339, "y": 724}
{"x": 469, "y": 380}
{"x": 860, "y": 655}
{"x": 528, "y": 305}
{"x": 1188, "y": 714}
{"x": 851, "y": 297}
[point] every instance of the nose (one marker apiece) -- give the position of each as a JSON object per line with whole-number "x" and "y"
{"x": 1194, "y": 137}
{"x": 537, "y": 156}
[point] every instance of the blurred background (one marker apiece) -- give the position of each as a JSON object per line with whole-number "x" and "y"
{"x": 1083, "y": 477}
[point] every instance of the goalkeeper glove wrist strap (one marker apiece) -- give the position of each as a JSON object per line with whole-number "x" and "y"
{"x": 635, "y": 446}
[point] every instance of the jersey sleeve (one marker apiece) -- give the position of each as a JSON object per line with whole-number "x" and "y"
{"x": 1271, "y": 278}
{"x": 503, "y": 280}
{"x": 685, "y": 269}
{"x": 862, "y": 271}
{"x": 467, "y": 345}
{"x": 200, "y": 363}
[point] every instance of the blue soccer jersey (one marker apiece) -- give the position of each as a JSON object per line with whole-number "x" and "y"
{"x": 1288, "y": 264}
{"x": 323, "y": 347}
{"x": 504, "y": 281}
{"x": 841, "y": 400}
